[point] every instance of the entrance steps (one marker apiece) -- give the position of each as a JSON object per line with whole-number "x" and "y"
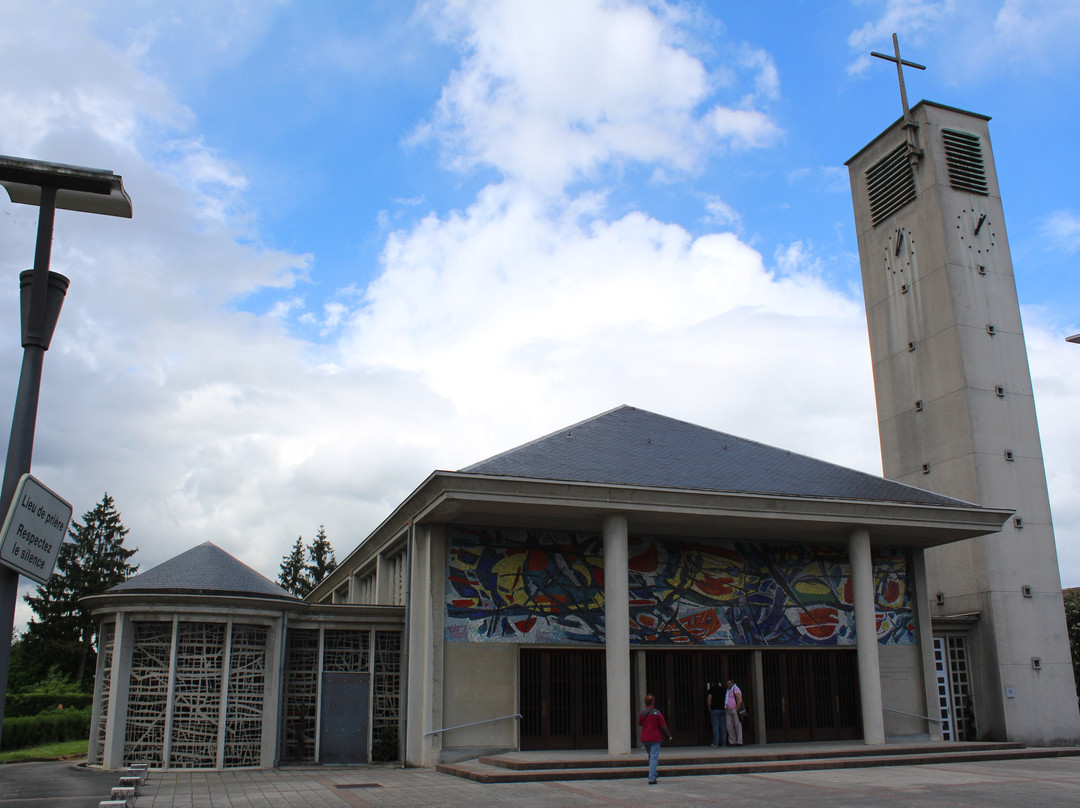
{"x": 523, "y": 767}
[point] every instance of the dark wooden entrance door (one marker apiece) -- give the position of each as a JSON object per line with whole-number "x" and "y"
{"x": 679, "y": 681}
{"x": 811, "y": 695}
{"x": 563, "y": 698}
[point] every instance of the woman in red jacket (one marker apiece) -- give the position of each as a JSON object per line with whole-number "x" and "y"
{"x": 653, "y": 730}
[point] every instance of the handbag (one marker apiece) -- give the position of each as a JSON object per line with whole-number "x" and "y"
{"x": 742, "y": 713}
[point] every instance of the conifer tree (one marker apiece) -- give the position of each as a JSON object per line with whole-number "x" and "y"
{"x": 300, "y": 575}
{"x": 322, "y": 557}
{"x": 95, "y": 559}
{"x": 294, "y": 576}
{"x": 1072, "y": 625}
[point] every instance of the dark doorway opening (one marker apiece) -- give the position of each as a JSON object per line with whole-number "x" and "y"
{"x": 811, "y": 696}
{"x": 563, "y": 699}
{"x": 680, "y": 680}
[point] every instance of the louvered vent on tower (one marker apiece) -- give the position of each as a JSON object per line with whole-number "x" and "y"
{"x": 964, "y": 155}
{"x": 890, "y": 183}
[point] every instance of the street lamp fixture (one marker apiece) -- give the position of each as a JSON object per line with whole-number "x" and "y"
{"x": 48, "y": 186}
{"x": 88, "y": 190}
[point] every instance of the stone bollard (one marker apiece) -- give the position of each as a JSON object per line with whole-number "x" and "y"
{"x": 126, "y": 794}
{"x": 114, "y": 804}
{"x": 131, "y": 782}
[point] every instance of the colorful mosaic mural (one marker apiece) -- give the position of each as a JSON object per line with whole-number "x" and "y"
{"x": 548, "y": 587}
{"x": 535, "y": 586}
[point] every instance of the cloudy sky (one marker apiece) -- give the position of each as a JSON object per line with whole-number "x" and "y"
{"x": 376, "y": 239}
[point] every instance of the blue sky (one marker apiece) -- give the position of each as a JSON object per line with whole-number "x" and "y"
{"x": 375, "y": 239}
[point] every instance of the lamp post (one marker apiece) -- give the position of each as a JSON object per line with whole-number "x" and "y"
{"x": 48, "y": 186}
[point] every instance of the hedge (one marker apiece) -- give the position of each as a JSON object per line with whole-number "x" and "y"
{"x": 19, "y": 704}
{"x": 56, "y": 726}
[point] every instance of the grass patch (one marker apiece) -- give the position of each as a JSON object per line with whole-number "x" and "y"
{"x": 50, "y": 751}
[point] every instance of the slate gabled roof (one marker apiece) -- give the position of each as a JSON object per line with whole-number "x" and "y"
{"x": 628, "y": 446}
{"x": 202, "y": 570}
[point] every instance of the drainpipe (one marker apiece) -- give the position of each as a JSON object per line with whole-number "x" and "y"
{"x": 404, "y": 719}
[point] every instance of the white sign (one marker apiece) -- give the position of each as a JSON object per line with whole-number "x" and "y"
{"x": 34, "y": 530}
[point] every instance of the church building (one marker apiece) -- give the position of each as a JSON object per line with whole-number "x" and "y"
{"x": 530, "y": 601}
{"x": 549, "y": 587}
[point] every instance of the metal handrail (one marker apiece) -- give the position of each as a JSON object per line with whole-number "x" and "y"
{"x": 914, "y": 715}
{"x": 473, "y": 724}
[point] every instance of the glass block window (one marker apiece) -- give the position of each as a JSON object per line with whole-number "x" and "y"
{"x": 148, "y": 693}
{"x": 387, "y": 675}
{"x": 301, "y": 694}
{"x": 200, "y": 653}
{"x": 247, "y": 690}
{"x": 345, "y": 651}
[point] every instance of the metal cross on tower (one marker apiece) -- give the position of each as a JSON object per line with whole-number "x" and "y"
{"x": 900, "y": 72}
{"x": 914, "y": 152}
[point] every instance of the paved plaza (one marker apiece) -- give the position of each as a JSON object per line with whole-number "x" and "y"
{"x": 1040, "y": 782}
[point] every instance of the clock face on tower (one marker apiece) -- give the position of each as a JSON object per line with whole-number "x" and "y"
{"x": 900, "y": 259}
{"x": 977, "y": 236}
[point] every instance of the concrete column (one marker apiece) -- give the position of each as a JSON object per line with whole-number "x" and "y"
{"x": 99, "y": 682}
{"x": 223, "y": 693}
{"x": 862, "y": 585}
{"x": 759, "y": 697}
{"x": 617, "y": 629}
{"x": 425, "y": 646}
{"x": 273, "y": 692}
{"x": 170, "y": 697}
{"x": 641, "y": 677}
{"x": 925, "y": 638}
{"x": 383, "y": 581}
{"x": 119, "y": 682}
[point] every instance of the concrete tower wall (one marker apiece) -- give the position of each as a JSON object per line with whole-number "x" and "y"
{"x": 955, "y": 407}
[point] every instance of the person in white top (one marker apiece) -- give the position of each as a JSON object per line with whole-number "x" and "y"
{"x": 732, "y": 705}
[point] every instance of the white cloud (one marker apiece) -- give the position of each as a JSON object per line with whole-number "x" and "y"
{"x": 1062, "y": 231}
{"x": 915, "y": 18}
{"x": 975, "y": 38}
{"x": 1055, "y": 379}
{"x": 745, "y": 128}
{"x": 794, "y": 259}
{"x": 528, "y": 321}
{"x": 767, "y": 77}
{"x": 720, "y": 213}
{"x": 550, "y": 90}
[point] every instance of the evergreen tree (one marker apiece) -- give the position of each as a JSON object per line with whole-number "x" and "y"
{"x": 322, "y": 557}
{"x": 294, "y": 576}
{"x": 1072, "y": 624}
{"x": 300, "y": 577}
{"x": 94, "y": 560}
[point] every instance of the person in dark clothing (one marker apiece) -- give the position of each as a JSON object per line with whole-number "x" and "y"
{"x": 714, "y": 700}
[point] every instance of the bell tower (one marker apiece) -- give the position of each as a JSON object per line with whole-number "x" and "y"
{"x": 956, "y": 416}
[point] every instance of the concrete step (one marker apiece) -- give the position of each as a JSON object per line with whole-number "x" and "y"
{"x": 521, "y": 761}
{"x": 523, "y": 767}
